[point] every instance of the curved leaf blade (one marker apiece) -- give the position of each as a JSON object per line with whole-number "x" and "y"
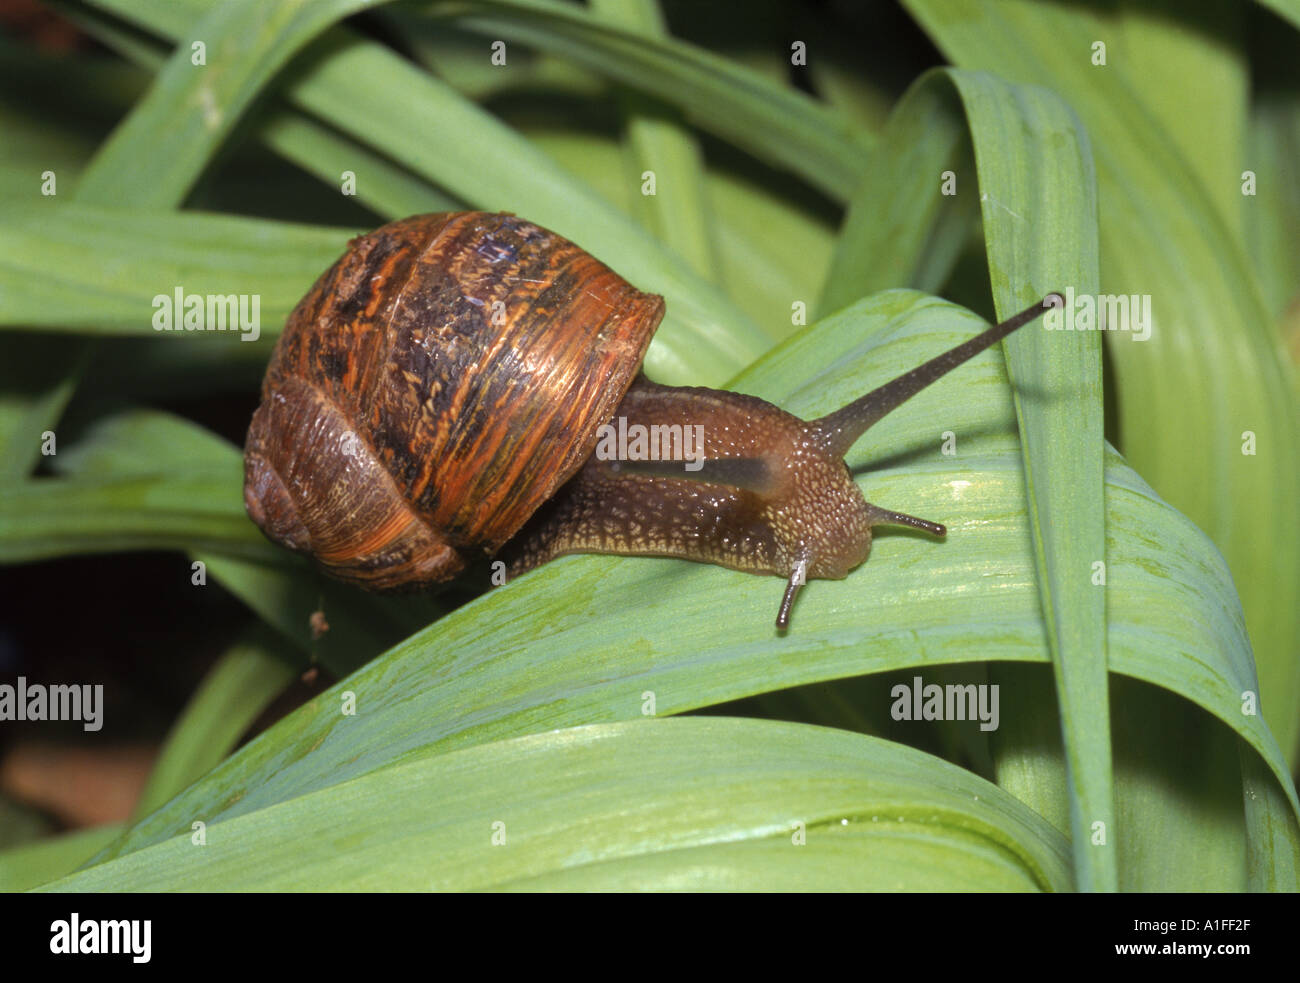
{"x": 563, "y": 808}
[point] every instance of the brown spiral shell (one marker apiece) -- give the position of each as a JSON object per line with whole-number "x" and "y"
{"x": 436, "y": 385}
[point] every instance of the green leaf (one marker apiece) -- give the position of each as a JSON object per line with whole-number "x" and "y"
{"x": 899, "y": 228}
{"x": 143, "y": 442}
{"x": 62, "y": 267}
{"x": 1290, "y": 9}
{"x": 33, "y": 864}
{"x": 37, "y": 378}
{"x": 601, "y": 807}
{"x": 196, "y": 509}
{"x": 1273, "y": 213}
{"x": 392, "y": 191}
{"x": 1192, "y": 55}
{"x": 1039, "y": 206}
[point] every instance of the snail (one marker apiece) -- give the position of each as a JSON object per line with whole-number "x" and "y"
{"x": 468, "y": 384}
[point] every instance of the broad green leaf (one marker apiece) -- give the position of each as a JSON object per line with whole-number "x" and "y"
{"x": 551, "y": 651}
{"x": 597, "y": 808}
{"x": 392, "y": 191}
{"x": 389, "y": 190}
{"x": 773, "y": 121}
{"x": 1039, "y": 206}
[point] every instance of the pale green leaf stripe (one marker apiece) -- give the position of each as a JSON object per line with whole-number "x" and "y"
{"x": 586, "y": 803}
{"x": 430, "y": 128}
{"x": 1032, "y": 173}
{"x": 155, "y": 155}
{"x": 658, "y": 144}
{"x": 1162, "y": 237}
{"x": 242, "y": 683}
{"x": 474, "y": 676}
{"x": 1039, "y": 196}
{"x": 33, "y": 864}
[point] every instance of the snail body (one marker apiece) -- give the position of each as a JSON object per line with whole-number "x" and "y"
{"x": 440, "y": 393}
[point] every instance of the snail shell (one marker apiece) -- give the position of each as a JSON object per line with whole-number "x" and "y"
{"x": 436, "y": 385}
